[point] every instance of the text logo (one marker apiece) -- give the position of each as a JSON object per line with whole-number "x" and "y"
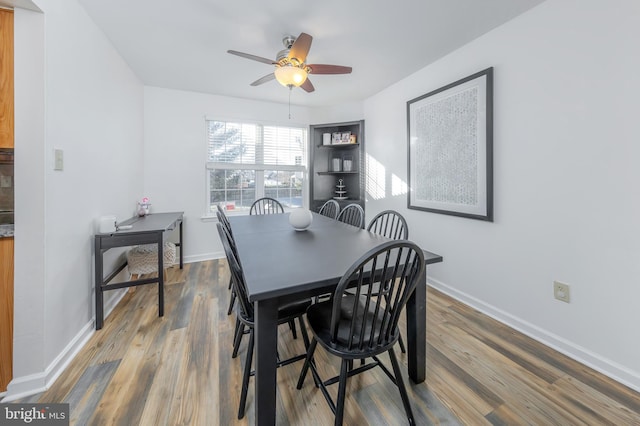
{"x": 34, "y": 414}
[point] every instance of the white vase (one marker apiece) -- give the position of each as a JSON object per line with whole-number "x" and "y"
{"x": 326, "y": 139}
{"x": 300, "y": 219}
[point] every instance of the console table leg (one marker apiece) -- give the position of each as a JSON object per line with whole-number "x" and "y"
{"x": 98, "y": 285}
{"x": 160, "y": 275}
{"x": 181, "y": 257}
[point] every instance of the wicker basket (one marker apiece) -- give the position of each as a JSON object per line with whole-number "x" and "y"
{"x": 144, "y": 259}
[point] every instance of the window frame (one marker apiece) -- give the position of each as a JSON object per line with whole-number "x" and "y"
{"x": 259, "y": 168}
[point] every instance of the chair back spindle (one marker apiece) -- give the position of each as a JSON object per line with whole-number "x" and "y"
{"x": 390, "y": 224}
{"x": 353, "y": 215}
{"x": 266, "y": 205}
{"x": 223, "y": 219}
{"x": 330, "y": 209}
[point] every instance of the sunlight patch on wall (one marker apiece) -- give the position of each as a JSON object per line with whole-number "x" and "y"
{"x": 398, "y": 186}
{"x": 375, "y": 178}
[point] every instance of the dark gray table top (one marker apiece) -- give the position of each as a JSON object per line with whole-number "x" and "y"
{"x": 280, "y": 261}
{"x": 150, "y": 223}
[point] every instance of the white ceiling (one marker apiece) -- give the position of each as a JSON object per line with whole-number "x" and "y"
{"x": 182, "y": 45}
{"x": 23, "y": 4}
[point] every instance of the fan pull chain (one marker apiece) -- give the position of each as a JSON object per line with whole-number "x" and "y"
{"x": 290, "y": 90}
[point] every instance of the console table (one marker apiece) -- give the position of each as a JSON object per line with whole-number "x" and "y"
{"x": 147, "y": 229}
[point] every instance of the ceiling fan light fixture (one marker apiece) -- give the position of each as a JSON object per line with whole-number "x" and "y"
{"x": 291, "y": 69}
{"x": 289, "y": 75}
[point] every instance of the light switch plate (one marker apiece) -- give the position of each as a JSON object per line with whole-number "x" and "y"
{"x": 58, "y": 159}
{"x": 5, "y": 181}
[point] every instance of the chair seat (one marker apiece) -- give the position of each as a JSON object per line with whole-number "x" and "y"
{"x": 319, "y": 319}
{"x": 143, "y": 259}
{"x": 285, "y": 313}
{"x": 293, "y": 309}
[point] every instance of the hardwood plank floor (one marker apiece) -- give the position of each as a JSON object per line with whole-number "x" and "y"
{"x": 178, "y": 370}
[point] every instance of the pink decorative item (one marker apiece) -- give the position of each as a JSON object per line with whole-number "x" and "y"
{"x": 144, "y": 207}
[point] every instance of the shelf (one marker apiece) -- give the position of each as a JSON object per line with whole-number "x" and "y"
{"x": 338, "y": 173}
{"x": 323, "y": 178}
{"x": 340, "y": 145}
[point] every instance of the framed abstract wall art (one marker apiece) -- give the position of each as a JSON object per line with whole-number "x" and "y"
{"x": 450, "y": 152}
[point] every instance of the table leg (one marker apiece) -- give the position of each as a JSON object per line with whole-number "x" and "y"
{"x": 181, "y": 246}
{"x": 266, "y": 335}
{"x": 160, "y": 275}
{"x": 416, "y": 311}
{"x": 98, "y": 285}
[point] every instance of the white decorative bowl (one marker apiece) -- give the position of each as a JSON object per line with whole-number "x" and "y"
{"x": 300, "y": 219}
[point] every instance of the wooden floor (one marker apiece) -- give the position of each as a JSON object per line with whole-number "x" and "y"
{"x": 178, "y": 370}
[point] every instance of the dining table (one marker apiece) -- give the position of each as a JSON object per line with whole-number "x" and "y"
{"x": 282, "y": 264}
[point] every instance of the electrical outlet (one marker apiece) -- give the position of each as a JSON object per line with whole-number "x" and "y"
{"x": 561, "y": 291}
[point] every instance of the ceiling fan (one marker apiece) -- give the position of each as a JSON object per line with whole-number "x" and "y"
{"x": 290, "y": 67}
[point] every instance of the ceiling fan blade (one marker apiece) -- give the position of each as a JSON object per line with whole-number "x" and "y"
{"x": 307, "y": 86}
{"x": 264, "y": 79}
{"x": 252, "y": 57}
{"x": 301, "y": 47}
{"x": 329, "y": 69}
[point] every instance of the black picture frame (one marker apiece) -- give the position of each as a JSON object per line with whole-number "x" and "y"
{"x": 450, "y": 149}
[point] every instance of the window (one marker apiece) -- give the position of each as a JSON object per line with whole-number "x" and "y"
{"x": 247, "y": 161}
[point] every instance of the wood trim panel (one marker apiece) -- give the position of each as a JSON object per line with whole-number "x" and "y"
{"x": 6, "y": 79}
{"x": 6, "y": 312}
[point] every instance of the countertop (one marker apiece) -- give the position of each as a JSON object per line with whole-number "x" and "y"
{"x": 6, "y": 230}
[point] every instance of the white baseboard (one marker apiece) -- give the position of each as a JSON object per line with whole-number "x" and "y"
{"x": 203, "y": 257}
{"x": 599, "y": 363}
{"x": 21, "y": 387}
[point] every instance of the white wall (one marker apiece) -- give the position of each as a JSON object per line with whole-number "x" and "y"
{"x": 82, "y": 98}
{"x": 566, "y": 173}
{"x": 337, "y": 114}
{"x": 28, "y": 325}
{"x": 175, "y": 135}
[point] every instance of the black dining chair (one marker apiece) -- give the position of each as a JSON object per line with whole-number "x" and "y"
{"x": 245, "y": 315}
{"x": 362, "y": 325}
{"x": 390, "y": 224}
{"x": 330, "y": 209}
{"x": 226, "y": 226}
{"x": 222, "y": 218}
{"x": 352, "y": 214}
{"x": 266, "y": 205}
